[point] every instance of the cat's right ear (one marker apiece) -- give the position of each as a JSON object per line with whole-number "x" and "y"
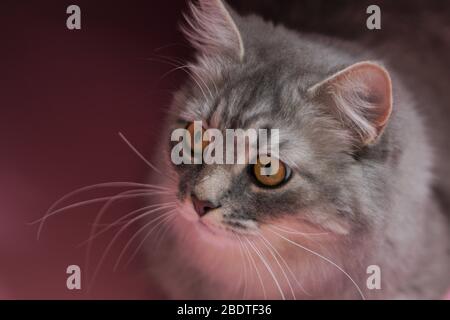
{"x": 361, "y": 96}
{"x": 210, "y": 28}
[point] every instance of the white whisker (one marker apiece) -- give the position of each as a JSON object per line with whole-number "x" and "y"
{"x": 287, "y": 265}
{"x": 293, "y": 231}
{"x": 269, "y": 269}
{"x": 167, "y": 216}
{"x": 92, "y": 187}
{"x": 250, "y": 256}
{"x": 121, "y": 220}
{"x": 325, "y": 259}
{"x": 133, "y": 148}
{"x": 117, "y": 235}
{"x": 88, "y": 202}
{"x": 98, "y": 218}
{"x": 244, "y": 265}
{"x": 160, "y": 237}
{"x": 279, "y": 265}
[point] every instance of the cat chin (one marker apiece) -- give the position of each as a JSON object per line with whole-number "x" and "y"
{"x": 197, "y": 259}
{"x": 204, "y": 232}
{"x": 200, "y": 264}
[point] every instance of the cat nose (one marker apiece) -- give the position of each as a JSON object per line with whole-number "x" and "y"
{"x": 202, "y": 207}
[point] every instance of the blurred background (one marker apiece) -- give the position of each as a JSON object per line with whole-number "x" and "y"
{"x": 66, "y": 94}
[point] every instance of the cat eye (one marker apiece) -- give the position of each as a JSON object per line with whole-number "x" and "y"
{"x": 196, "y": 136}
{"x": 274, "y": 178}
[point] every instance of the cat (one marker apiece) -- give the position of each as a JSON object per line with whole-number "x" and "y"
{"x": 364, "y": 181}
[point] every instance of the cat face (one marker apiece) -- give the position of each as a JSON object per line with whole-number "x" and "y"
{"x": 313, "y": 155}
{"x": 324, "y": 120}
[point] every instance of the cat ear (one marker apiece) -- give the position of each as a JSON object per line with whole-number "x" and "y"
{"x": 211, "y": 29}
{"x": 362, "y": 97}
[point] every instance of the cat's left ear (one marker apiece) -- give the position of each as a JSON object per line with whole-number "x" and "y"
{"x": 361, "y": 95}
{"x": 212, "y": 30}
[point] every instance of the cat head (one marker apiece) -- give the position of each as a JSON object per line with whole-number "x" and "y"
{"x": 331, "y": 111}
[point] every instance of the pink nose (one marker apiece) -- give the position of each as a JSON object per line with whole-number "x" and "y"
{"x": 202, "y": 207}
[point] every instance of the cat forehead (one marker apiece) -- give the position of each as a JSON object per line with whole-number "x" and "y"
{"x": 246, "y": 101}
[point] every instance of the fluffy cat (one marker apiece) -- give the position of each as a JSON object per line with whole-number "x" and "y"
{"x": 362, "y": 187}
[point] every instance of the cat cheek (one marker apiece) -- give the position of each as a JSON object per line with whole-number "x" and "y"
{"x": 317, "y": 223}
{"x": 338, "y": 227}
{"x": 331, "y": 223}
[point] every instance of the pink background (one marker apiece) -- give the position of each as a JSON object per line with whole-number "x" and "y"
{"x": 65, "y": 95}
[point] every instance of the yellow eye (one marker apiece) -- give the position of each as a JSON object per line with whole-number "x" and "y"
{"x": 196, "y": 136}
{"x": 270, "y": 176}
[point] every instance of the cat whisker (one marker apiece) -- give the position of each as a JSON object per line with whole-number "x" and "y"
{"x": 162, "y": 59}
{"x": 102, "y": 185}
{"x": 133, "y": 148}
{"x": 196, "y": 78}
{"x": 192, "y": 69}
{"x": 165, "y": 59}
{"x": 288, "y": 268}
{"x": 182, "y": 67}
{"x": 252, "y": 260}
{"x": 188, "y": 70}
{"x": 269, "y": 269}
{"x": 325, "y": 259}
{"x": 170, "y": 45}
{"x": 160, "y": 238}
{"x": 103, "y": 199}
{"x": 244, "y": 267}
{"x": 42, "y": 220}
{"x": 117, "y": 235}
{"x": 98, "y": 218}
{"x": 121, "y": 220}
{"x": 271, "y": 249}
{"x": 88, "y": 188}
{"x": 293, "y": 231}
{"x": 287, "y": 265}
{"x": 171, "y": 61}
{"x": 167, "y": 217}
{"x": 105, "y": 207}
{"x": 311, "y": 236}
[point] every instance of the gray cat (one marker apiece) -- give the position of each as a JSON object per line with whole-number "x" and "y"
{"x": 364, "y": 181}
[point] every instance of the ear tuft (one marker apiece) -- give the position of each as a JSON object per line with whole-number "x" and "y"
{"x": 362, "y": 96}
{"x": 211, "y": 29}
